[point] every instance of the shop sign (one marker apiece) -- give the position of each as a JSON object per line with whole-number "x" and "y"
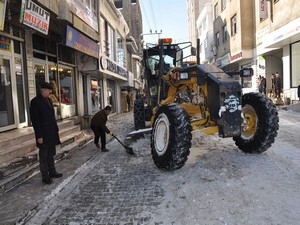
{"x": 111, "y": 66}
{"x": 2, "y": 13}
{"x": 263, "y": 9}
{"x": 236, "y": 57}
{"x": 4, "y": 44}
{"x": 79, "y": 9}
{"x": 225, "y": 60}
{"x": 81, "y": 43}
{"x": 35, "y": 16}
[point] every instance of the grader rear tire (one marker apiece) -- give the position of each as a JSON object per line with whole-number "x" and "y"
{"x": 260, "y": 125}
{"x": 171, "y": 137}
{"x": 139, "y": 114}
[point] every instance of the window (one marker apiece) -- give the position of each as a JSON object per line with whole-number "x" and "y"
{"x": 109, "y": 42}
{"x": 120, "y": 51}
{"x": 204, "y": 27}
{"x": 218, "y": 39}
{"x": 233, "y": 26}
{"x": 216, "y": 10}
{"x": 223, "y": 5}
{"x": 119, "y": 4}
{"x": 224, "y": 34}
{"x": 295, "y": 52}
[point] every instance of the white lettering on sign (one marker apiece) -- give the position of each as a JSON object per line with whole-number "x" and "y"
{"x": 36, "y": 17}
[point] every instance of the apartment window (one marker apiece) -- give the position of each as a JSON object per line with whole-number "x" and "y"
{"x": 119, "y": 4}
{"x": 225, "y": 34}
{"x": 223, "y": 5}
{"x": 120, "y": 50}
{"x": 133, "y": 2}
{"x": 91, "y": 5}
{"x": 233, "y": 26}
{"x": 109, "y": 42}
{"x": 216, "y": 10}
{"x": 204, "y": 26}
{"x": 218, "y": 39}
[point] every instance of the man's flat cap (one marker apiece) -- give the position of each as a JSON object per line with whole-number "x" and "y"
{"x": 46, "y": 85}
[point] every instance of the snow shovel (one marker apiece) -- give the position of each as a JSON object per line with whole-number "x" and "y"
{"x": 129, "y": 150}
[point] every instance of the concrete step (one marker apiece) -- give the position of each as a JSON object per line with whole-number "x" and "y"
{"x": 19, "y": 150}
{"x": 18, "y": 136}
{"x": 18, "y": 170}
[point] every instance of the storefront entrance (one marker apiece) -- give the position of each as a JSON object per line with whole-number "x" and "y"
{"x": 6, "y": 100}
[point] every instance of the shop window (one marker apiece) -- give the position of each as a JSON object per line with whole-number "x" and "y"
{"x": 295, "y": 59}
{"x": 17, "y": 47}
{"x": 20, "y": 89}
{"x": 52, "y": 71}
{"x": 39, "y": 72}
{"x": 66, "y": 54}
{"x": 96, "y": 95}
{"x": 6, "y": 101}
{"x": 38, "y": 43}
{"x": 111, "y": 96}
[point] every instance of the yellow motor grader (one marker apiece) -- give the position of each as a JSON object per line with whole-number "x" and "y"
{"x": 184, "y": 98}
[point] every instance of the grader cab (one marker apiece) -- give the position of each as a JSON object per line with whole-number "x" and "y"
{"x": 185, "y": 98}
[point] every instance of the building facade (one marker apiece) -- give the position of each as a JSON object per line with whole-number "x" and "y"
{"x": 261, "y": 34}
{"x": 206, "y": 34}
{"x": 278, "y": 42}
{"x": 234, "y": 32}
{"x": 80, "y": 47}
{"x": 132, "y": 14}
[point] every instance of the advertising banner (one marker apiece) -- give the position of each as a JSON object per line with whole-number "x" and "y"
{"x": 83, "y": 12}
{"x": 35, "y": 16}
{"x": 80, "y": 42}
{"x": 263, "y": 9}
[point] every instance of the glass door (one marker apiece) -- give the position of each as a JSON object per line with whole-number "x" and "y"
{"x": 6, "y": 101}
{"x": 96, "y": 95}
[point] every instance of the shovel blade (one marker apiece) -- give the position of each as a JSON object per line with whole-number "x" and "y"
{"x": 129, "y": 150}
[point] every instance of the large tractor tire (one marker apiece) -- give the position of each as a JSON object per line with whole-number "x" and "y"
{"x": 260, "y": 124}
{"x": 139, "y": 114}
{"x": 171, "y": 137}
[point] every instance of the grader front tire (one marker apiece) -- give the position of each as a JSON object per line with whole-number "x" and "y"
{"x": 171, "y": 137}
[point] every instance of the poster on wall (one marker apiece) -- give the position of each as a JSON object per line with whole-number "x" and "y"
{"x": 84, "y": 12}
{"x": 35, "y": 16}
{"x": 2, "y": 13}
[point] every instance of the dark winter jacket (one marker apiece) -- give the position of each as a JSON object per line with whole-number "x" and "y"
{"x": 43, "y": 121}
{"x": 99, "y": 120}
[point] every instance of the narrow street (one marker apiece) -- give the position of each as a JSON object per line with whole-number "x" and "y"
{"x": 218, "y": 185}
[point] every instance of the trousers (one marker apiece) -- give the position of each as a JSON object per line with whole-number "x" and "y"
{"x": 46, "y": 155}
{"x": 99, "y": 132}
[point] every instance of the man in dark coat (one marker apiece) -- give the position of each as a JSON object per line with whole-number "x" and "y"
{"x": 277, "y": 84}
{"x": 46, "y": 132}
{"x": 98, "y": 126}
{"x": 263, "y": 85}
